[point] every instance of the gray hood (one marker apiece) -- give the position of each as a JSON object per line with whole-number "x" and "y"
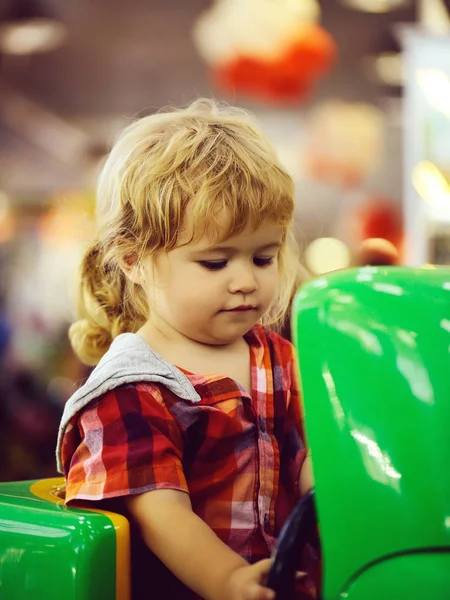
{"x": 129, "y": 360}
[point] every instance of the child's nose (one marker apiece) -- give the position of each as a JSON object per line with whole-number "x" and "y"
{"x": 243, "y": 280}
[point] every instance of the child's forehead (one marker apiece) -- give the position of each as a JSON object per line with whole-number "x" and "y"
{"x": 218, "y": 235}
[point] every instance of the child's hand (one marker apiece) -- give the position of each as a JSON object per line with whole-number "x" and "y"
{"x": 246, "y": 583}
{"x": 306, "y": 479}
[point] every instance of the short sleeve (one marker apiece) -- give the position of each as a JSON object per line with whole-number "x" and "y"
{"x": 126, "y": 442}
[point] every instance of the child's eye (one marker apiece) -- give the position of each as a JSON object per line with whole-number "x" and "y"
{"x": 213, "y": 265}
{"x": 260, "y": 261}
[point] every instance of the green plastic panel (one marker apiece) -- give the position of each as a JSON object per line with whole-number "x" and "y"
{"x": 50, "y": 552}
{"x": 406, "y": 577}
{"x": 374, "y": 353}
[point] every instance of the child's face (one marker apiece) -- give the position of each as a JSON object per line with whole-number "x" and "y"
{"x": 215, "y": 293}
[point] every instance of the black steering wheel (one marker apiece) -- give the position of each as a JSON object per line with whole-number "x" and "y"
{"x": 299, "y": 530}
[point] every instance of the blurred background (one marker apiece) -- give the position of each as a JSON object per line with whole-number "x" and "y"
{"x": 354, "y": 94}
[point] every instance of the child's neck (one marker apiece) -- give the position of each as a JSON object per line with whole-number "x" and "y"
{"x": 232, "y": 360}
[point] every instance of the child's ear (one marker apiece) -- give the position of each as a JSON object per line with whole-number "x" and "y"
{"x": 132, "y": 269}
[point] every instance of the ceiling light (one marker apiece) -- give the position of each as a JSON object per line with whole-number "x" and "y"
{"x": 327, "y": 254}
{"x": 431, "y": 185}
{"x": 386, "y": 68}
{"x": 433, "y": 16}
{"x": 435, "y": 85}
{"x": 28, "y": 28}
{"x": 375, "y": 6}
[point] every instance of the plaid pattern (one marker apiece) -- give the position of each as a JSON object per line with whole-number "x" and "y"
{"x": 238, "y": 456}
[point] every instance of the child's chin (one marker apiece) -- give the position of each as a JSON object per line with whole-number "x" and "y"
{"x": 230, "y": 335}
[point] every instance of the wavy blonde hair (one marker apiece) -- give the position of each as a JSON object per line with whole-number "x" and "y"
{"x": 208, "y": 157}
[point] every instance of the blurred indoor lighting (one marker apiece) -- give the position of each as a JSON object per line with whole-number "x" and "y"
{"x": 433, "y": 187}
{"x": 221, "y": 31}
{"x": 27, "y": 28}
{"x": 386, "y": 68}
{"x": 435, "y": 85}
{"x": 327, "y": 254}
{"x": 375, "y": 6}
{"x": 433, "y": 16}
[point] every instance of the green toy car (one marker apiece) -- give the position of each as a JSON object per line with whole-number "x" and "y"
{"x": 374, "y": 353}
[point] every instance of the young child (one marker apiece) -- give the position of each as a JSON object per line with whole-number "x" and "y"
{"x": 191, "y": 420}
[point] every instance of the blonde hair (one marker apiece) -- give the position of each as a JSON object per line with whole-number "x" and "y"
{"x": 208, "y": 157}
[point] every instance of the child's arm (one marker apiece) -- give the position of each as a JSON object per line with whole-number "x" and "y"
{"x": 192, "y": 551}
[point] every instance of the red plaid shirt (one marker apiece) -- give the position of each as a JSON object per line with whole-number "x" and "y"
{"x": 237, "y": 455}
